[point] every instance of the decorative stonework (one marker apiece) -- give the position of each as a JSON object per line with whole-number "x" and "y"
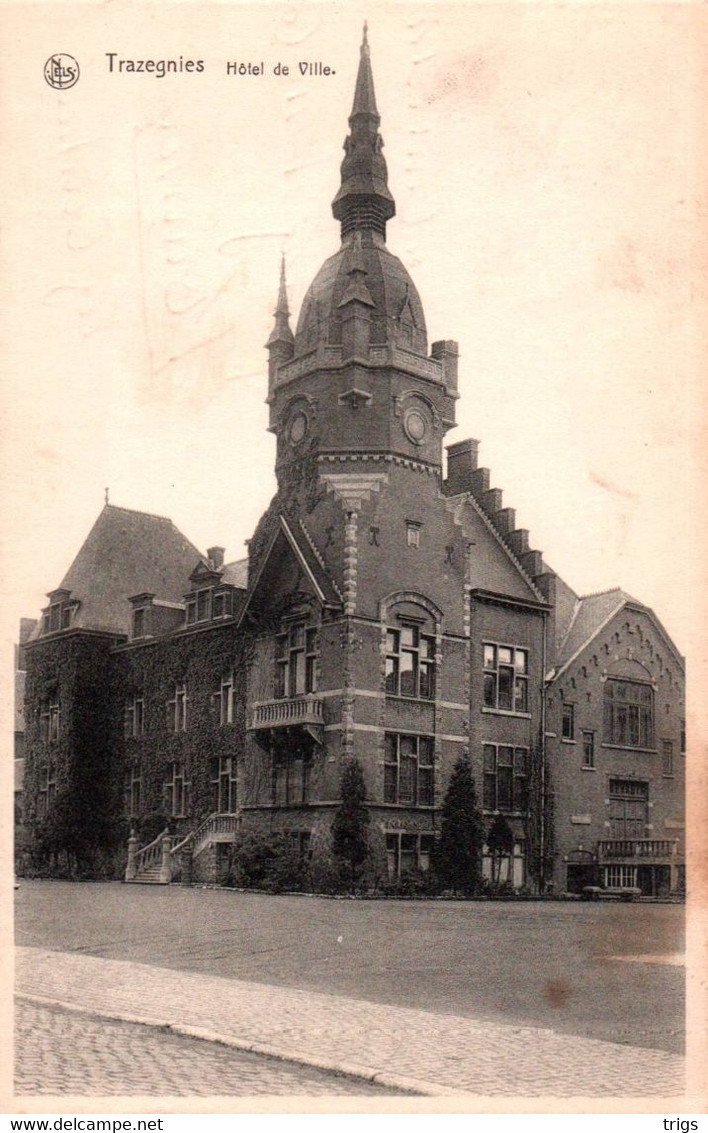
{"x": 353, "y": 488}
{"x": 379, "y": 458}
{"x": 351, "y": 563}
{"x": 356, "y": 398}
{"x": 407, "y": 400}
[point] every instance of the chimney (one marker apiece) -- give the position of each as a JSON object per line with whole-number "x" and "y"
{"x": 447, "y": 352}
{"x": 461, "y": 463}
{"x": 216, "y": 557}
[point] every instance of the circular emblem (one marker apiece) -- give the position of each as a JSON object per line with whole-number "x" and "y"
{"x": 298, "y": 429}
{"x": 415, "y": 425}
{"x": 61, "y": 71}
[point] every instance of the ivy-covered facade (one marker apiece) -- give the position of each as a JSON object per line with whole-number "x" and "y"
{"x": 388, "y": 613}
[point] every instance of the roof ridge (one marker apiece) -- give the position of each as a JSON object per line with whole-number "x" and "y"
{"x": 137, "y": 511}
{"x": 600, "y": 593}
{"x": 571, "y": 623}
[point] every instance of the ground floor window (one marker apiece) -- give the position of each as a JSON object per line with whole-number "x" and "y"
{"x": 47, "y": 789}
{"x": 223, "y": 784}
{"x": 290, "y": 783}
{"x": 505, "y": 784}
{"x": 620, "y": 875}
{"x": 406, "y": 852}
{"x": 408, "y": 770}
{"x": 510, "y": 868}
{"x": 300, "y": 840}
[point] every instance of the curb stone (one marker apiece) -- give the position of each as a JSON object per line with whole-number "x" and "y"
{"x": 345, "y": 1070}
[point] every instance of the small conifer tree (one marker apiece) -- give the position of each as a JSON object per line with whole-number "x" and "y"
{"x": 457, "y": 855}
{"x": 349, "y": 833}
{"x": 500, "y": 843}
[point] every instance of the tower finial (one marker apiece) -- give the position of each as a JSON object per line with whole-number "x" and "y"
{"x": 364, "y": 201}
{"x": 282, "y": 306}
{"x": 281, "y": 332}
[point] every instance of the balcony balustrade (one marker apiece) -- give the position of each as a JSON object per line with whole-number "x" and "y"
{"x": 616, "y": 849}
{"x": 299, "y": 710}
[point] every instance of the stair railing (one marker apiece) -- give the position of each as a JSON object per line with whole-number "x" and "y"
{"x": 155, "y": 855}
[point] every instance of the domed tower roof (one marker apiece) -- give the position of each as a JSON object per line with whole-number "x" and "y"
{"x": 363, "y": 268}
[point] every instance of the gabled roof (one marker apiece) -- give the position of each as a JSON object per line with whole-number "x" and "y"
{"x": 296, "y": 538}
{"x": 125, "y": 553}
{"x": 592, "y": 613}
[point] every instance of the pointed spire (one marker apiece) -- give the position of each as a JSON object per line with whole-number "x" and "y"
{"x": 364, "y": 201}
{"x": 282, "y": 307}
{"x": 364, "y": 94}
{"x": 281, "y": 331}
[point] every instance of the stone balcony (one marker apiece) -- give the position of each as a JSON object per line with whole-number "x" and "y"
{"x": 295, "y": 712}
{"x": 637, "y": 849}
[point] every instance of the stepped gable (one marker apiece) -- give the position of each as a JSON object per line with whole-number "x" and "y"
{"x": 464, "y": 477}
{"x": 127, "y": 552}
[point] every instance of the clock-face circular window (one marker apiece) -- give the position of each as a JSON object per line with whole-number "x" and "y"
{"x": 415, "y": 425}
{"x": 297, "y": 429}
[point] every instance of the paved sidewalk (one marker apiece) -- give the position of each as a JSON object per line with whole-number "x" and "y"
{"x": 431, "y": 1053}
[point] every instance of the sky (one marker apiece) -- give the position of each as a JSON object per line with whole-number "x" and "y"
{"x": 548, "y": 178}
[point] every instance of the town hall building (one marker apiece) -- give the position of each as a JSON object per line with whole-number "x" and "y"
{"x": 390, "y": 611}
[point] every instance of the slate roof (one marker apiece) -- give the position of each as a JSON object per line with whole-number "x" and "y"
{"x": 591, "y": 612}
{"x": 236, "y": 574}
{"x": 126, "y": 553}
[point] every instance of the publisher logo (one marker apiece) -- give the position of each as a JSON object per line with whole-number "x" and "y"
{"x": 61, "y": 71}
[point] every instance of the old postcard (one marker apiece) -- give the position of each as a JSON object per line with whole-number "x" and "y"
{"x": 350, "y": 418}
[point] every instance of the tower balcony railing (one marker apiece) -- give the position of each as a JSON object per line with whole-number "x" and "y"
{"x": 298, "y": 710}
{"x": 385, "y": 355}
{"x": 625, "y": 849}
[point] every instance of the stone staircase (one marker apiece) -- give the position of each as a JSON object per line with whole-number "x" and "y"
{"x": 150, "y": 876}
{"x": 167, "y": 859}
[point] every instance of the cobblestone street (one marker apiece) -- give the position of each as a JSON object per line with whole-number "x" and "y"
{"x": 58, "y": 1052}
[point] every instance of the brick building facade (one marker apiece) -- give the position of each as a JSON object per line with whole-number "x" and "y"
{"x": 386, "y": 612}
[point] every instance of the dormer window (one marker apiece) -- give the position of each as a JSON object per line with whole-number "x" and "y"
{"x": 59, "y": 614}
{"x": 203, "y": 605}
{"x": 208, "y": 603}
{"x": 222, "y": 604}
{"x": 139, "y": 622}
{"x": 199, "y": 607}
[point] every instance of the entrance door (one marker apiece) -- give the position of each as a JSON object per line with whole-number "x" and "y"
{"x": 580, "y": 874}
{"x": 654, "y": 880}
